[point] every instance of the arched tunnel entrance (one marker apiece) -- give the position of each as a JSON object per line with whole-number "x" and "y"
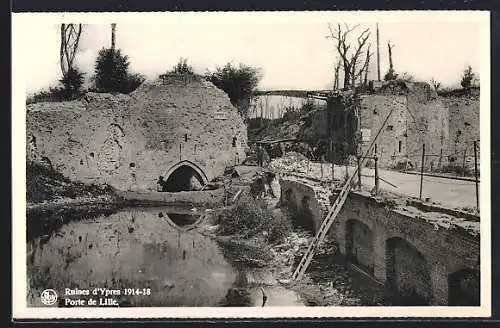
{"x": 464, "y": 288}
{"x": 408, "y": 275}
{"x": 184, "y": 176}
{"x": 359, "y": 244}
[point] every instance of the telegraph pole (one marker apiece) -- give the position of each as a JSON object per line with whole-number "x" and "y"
{"x": 113, "y": 29}
{"x": 378, "y": 55}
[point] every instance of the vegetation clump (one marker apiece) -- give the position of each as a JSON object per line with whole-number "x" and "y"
{"x": 250, "y": 217}
{"x": 112, "y": 72}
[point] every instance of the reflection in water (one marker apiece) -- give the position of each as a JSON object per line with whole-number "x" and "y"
{"x": 143, "y": 248}
{"x": 132, "y": 249}
{"x": 182, "y": 219}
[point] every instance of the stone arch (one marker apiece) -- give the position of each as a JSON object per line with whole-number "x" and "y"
{"x": 464, "y": 287}
{"x": 180, "y": 176}
{"x": 407, "y": 273}
{"x": 359, "y": 243}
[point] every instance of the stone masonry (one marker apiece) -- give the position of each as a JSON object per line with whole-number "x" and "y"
{"x": 432, "y": 254}
{"x": 128, "y": 141}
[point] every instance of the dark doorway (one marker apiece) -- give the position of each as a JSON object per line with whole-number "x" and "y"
{"x": 359, "y": 244}
{"x": 184, "y": 178}
{"x": 408, "y": 275}
{"x": 464, "y": 288}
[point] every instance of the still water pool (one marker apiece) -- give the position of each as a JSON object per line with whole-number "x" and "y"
{"x": 159, "y": 253}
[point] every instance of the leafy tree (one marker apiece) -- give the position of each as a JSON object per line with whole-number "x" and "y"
{"x": 112, "y": 72}
{"x": 467, "y": 78}
{"x": 72, "y": 83}
{"x": 239, "y": 82}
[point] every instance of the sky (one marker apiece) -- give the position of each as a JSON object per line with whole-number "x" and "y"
{"x": 291, "y": 50}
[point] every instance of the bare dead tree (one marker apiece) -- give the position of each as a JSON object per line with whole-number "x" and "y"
{"x": 336, "y": 75}
{"x": 391, "y": 74}
{"x": 367, "y": 64}
{"x": 349, "y": 59}
{"x": 70, "y": 39}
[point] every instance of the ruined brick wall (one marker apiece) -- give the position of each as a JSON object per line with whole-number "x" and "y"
{"x": 129, "y": 141}
{"x": 391, "y": 142}
{"x": 413, "y": 250}
{"x": 445, "y": 248}
{"x": 428, "y": 125}
{"x": 419, "y": 116}
{"x": 294, "y": 193}
{"x": 464, "y": 115}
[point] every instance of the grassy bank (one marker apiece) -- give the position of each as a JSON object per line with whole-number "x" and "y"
{"x": 44, "y": 184}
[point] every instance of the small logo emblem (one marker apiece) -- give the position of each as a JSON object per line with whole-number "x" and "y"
{"x": 49, "y": 297}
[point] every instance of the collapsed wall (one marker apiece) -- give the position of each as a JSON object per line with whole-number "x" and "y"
{"x": 464, "y": 111}
{"x": 418, "y": 117}
{"x": 129, "y": 141}
{"x": 392, "y": 140}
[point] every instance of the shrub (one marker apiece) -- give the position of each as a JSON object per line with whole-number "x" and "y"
{"x": 239, "y": 82}
{"x": 112, "y": 72}
{"x": 72, "y": 83}
{"x": 467, "y": 78}
{"x": 72, "y": 88}
{"x": 280, "y": 227}
{"x": 181, "y": 71}
{"x": 249, "y": 217}
{"x": 246, "y": 217}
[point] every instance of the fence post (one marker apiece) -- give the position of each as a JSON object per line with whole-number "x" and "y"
{"x": 475, "y": 174}
{"x": 376, "y": 175}
{"x": 359, "y": 172}
{"x": 346, "y": 167}
{"x": 422, "y": 170}
{"x": 440, "y": 159}
{"x": 375, "y": 158}
{"x": 331, "y": 158}
{"x": 321, "y": 163}
{"x": 463, "y": 163}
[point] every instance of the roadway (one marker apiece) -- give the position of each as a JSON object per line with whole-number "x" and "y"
{"x": 445, "y": 191}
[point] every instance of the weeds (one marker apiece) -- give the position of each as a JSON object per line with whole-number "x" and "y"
{"x": 44, "y": 183}
{"x": 250, "y": 217}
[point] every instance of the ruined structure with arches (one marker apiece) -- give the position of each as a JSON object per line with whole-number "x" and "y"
{"x": 423, "y": 258}
{"x": 185, "y": 131}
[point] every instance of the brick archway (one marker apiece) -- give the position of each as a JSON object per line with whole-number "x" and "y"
{"x": 359, "y": 243}
{"x": 408, "y": 273}
{"x": 177, "y": 177}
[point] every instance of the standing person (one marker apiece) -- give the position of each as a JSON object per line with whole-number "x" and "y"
{"x": 160, "y": 184}
{"x": 260, "y": 155}
{"x": 133, "y": 179}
